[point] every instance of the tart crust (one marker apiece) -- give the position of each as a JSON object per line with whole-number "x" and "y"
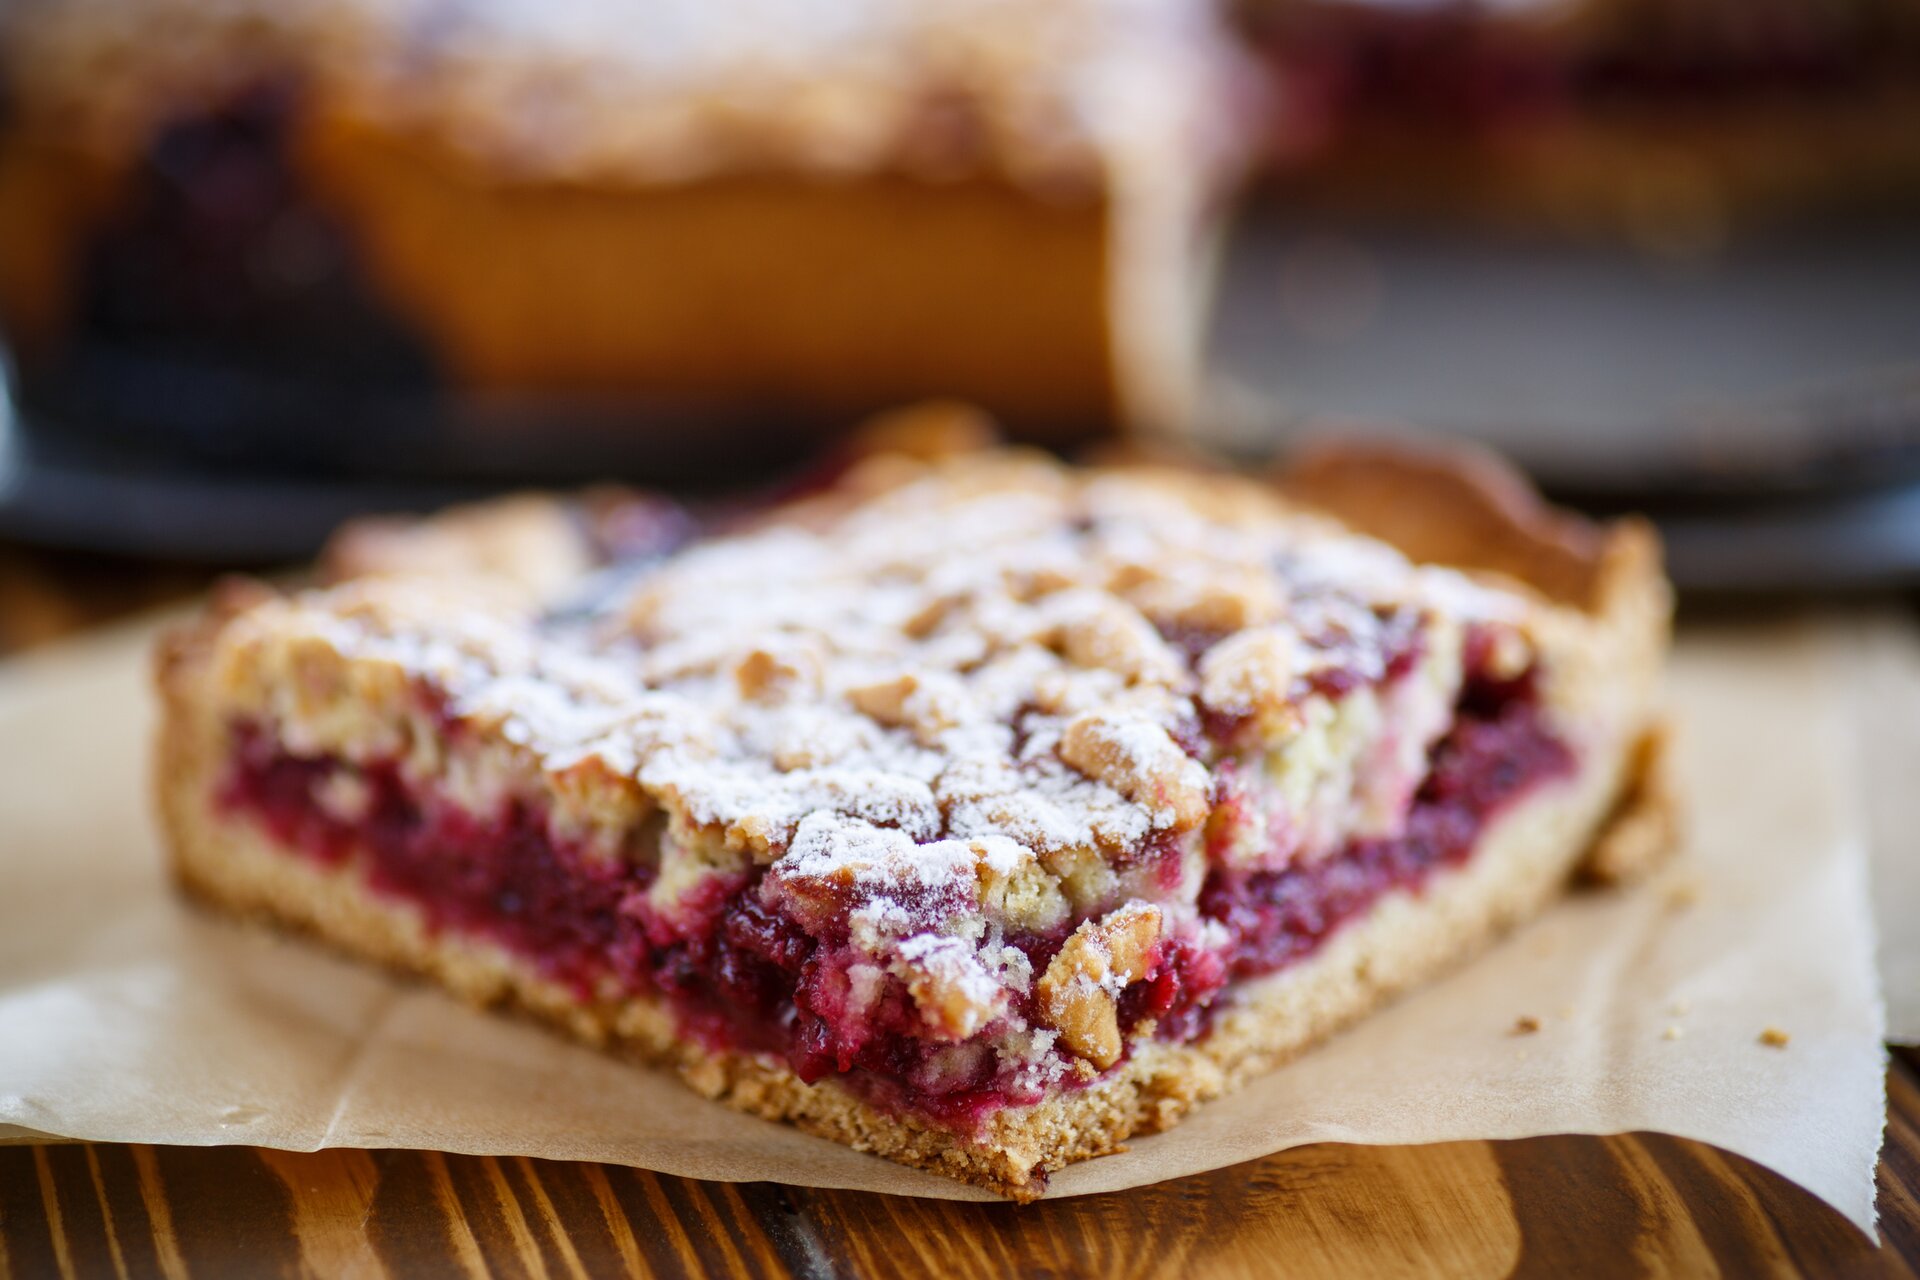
{"x": 1614, "y": 817}
{"x": 814, "y": 212}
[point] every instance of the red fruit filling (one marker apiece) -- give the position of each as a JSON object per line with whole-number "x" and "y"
{"x": 1489, "y": 759}
{"x": 743, "y": 975}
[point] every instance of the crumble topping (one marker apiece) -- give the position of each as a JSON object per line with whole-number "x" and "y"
{"x": 994, "y": 648}
{"x": 973, "y": 700}
{"x": 1081, "y": 988}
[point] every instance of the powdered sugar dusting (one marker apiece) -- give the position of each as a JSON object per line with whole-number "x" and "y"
{"x": 980, "y": 662}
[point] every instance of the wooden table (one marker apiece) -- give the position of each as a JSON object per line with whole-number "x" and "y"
{"x": 1564, "y": 1206}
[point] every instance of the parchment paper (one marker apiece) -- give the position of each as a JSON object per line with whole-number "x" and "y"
{"x": 1882, "y": 660}
{"x": 127, "y": 1016}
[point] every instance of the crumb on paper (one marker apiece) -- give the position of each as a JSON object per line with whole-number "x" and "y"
{"x": 1680, "y": 1008}
{"x": 1673, "y": 1032}
{"x": 1525, "y": 1025}
{"x": 1682, "y": 894}
{"x": 1774, "y": 1038}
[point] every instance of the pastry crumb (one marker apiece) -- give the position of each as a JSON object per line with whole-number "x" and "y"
{"x": 1673, "y": 1032}
{"x": 1525, "y": 1025}
{"x": 1774, "y": 1038}
{"x": 1682, "y": 895}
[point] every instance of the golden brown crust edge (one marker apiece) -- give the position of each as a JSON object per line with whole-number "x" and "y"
{"x": 1465, "y": 507}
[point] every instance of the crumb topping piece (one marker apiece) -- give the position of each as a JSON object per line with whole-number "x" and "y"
{"x": 1081, "y": 987}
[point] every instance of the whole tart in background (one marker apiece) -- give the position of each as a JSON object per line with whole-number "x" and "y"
{"x": 752, "y": 217}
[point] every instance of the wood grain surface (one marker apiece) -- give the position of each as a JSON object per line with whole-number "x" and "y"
{"x": 1564, "y": 1207}
{"x": 1567, "y": 1206}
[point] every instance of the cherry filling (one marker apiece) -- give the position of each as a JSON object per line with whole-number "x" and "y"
{"x": 507, "y": 877}
{"x": 740, "y": 974}
{"x": 1491, "y": 758}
